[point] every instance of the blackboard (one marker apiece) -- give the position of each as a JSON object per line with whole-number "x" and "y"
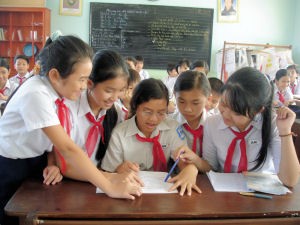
{"x": 161, "y": 34}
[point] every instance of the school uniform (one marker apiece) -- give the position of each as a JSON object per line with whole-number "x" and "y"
{"x": 218, "y": 137}
{"x": 144, "y": 74}
{"x": 124, "y": 146}
{"x": 189, "y": 136}
{"x": 295, "y": 87}
{"x": 170, "y": 82}
{"x": 22, "y": 141}
{"x": 80, "y": 109}
{"x": 6, "y": 91}
{"x": 124, "y": 113}
{"x": 17, "y": 80}
{"x": 281, "y": 96}
{"x": 213, "y": 111}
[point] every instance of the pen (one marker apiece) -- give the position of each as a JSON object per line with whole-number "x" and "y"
{"x": 256, "y": 195}
{"x": 173, "y": 167}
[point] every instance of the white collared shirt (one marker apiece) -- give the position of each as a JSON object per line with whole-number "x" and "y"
{"x": 124, "y": 146}
{"x": 9, "y": 89}
{"x": 297, "y": 87}
{"x": 16, "y": 82}
{"x": 144, "y": 74}
{"x": 79, "y": 109}
{"x": 31, "y": 109}
{"x": 287, "y": 94}
{"x": 218, "y": 136}
{"x": 189, "y": 137}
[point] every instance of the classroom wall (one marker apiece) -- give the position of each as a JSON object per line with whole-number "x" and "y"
{"x": 267, "y": 21}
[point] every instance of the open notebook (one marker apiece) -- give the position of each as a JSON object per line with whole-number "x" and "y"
{"x": 247, "y": 181}
{"x": 154, "y": 183}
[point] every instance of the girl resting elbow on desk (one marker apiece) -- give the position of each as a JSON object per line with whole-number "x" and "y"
{"x": 248, "y": 134}
{"x": 36, "y": 119}
{"x": 147, "y": 139}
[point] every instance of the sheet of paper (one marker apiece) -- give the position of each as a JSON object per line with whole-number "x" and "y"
{"x": 267, "y": 183}
{"x": 228, "y": 182}
{"x": 154, "y": 183}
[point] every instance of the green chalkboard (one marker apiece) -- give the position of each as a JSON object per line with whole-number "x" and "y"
{"x": 161, "y": 34}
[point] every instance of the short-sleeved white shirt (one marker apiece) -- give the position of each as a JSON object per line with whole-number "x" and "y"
{"x": 170, "y": 82}
{"x": 297, "y": 87}
{"x": 218, "y": 136}
{"x": 189, "y": 137}
{"x": 79, "y": 109}
{"x": 287, "y": 94}
{"x": 124, "y": 146}
{"x": 144, "y": 74}
{"x": 31, "y": 109}
{"x": 9, "y": 89}
{"x": 16, "y": 81}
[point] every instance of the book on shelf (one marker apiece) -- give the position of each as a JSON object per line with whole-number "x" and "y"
{"x": 247, "y": 182}
{"x": 20, "y": 35}
{"x": 2, "y": 35}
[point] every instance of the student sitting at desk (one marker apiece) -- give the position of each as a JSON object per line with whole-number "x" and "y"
{"x": 147, "y": 140}
{"x": 36, "y": 120}
{"x": 282, "y": 93}
{"x": 294, "y": 83}
{"x": 248, "y": 135}
{"x": 191, "y": 91}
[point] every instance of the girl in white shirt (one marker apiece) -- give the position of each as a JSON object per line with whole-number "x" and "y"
{"x": 96, "y": 110}
{"x": 36, "y": 119}
{"x": 147, "y": 140}
{"x": 191, "y": 91}
{"x": 247, "y": 135}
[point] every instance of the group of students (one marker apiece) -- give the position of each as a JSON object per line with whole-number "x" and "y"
{"x": 69, "y": 121}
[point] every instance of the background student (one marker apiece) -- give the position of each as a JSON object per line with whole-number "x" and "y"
{"x": 183, "y": 65}
{"x": 294, "y": 83}
{"x": 214, "y": 99}
{"x": 96, "y": 110}
{"x": 201, "y": 66}
{"x": 147, "y": 139}
{"x": 124, "y": 101}
{"x": 191, "y": 91}
{"x": 169, "y": 81}
{"x": 248, "y": 135}
{"x": 139, "y": 66}
{"x": 6, "y": 87}
{"x": 282, "y": 93}
{"x": 21, "y": 64}
{"x": 36, "y": 119}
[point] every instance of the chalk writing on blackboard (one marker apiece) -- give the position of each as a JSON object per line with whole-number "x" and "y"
{"x": 160, "y": 34}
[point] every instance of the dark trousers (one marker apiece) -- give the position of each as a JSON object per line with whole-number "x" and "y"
{"x": 12, "y": 173}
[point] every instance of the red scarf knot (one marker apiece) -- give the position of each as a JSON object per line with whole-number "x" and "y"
{"x": 243, "y": 164}
{"x": 159, "y": 159}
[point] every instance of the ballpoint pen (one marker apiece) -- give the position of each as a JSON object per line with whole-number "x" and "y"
{"x": 173, "y": 167}
{"x": 257, "y": 195}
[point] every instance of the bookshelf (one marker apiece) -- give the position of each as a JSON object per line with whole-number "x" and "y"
{"x": 23, "y": 31}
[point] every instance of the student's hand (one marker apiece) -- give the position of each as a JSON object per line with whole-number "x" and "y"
{"x": 128, "y": 176}
{"x": 124, "y": 189}
{"x": 128, "y": 166}
{"x": 186, "y": 179}
{"x": 52, "y": 175}
{"x": 185, "y": 154}
{"x": 285, "y": 119}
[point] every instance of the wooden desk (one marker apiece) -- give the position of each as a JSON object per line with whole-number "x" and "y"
{"x": 73, "y": 202}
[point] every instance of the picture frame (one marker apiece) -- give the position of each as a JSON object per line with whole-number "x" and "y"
{"x": 228, "y": 11}
{"x": 70, "y": 7}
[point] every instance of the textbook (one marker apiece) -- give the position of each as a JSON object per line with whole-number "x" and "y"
{"x": 154, "y": 183}
{"x": 247, "y": 182}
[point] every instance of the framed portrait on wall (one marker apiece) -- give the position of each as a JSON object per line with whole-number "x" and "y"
{"x": 228, "y": 11}
{"x": 70, "y": 7}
